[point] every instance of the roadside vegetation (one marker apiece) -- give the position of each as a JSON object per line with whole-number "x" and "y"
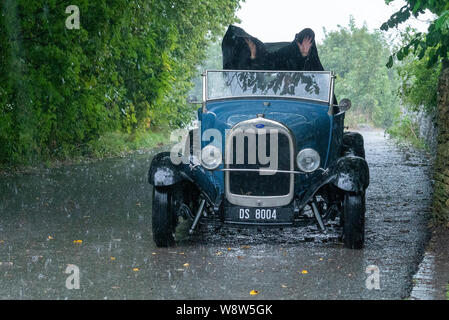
{"x": 117, "y": 83}
{"x": 358, "y": 57}
{"x": 429, "y": 52}
{"x": 417, "y": 92}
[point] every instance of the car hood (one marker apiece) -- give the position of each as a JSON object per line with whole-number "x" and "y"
{"x": 309, "y": 122}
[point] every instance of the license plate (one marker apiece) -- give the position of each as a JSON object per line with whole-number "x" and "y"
{"x": 277, "y": 215}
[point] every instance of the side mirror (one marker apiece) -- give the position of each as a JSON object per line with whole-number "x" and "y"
{"x": 345, "y": 105}
{"x": 193, "y": 99}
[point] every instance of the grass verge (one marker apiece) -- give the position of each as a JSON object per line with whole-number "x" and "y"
{"x": 109, "y": 145}
{"x": 406, "y": 131}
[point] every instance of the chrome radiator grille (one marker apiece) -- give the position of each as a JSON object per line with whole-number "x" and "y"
{"x": 256, "y": 150}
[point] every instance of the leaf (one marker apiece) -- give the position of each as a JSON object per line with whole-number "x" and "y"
{"x": 384, "y": 26}
{"x": 390, "y": 62}
{"x": 254, "y": 292}
{"x": 78, "y": 241}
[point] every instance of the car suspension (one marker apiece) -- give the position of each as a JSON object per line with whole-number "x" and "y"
{"x": 197, "y": 216}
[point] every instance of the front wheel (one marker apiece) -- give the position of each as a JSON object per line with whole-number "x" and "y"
{"x": 164, "y": 219}
{"x": 354, "y": 220}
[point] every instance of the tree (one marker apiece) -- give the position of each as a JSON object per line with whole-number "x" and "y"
{"x": 358, "y": 58}
{"x": 128, "y": 69}
{"x": 435, "y": 43}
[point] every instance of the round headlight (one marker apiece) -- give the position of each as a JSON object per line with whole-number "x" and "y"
{"x": 210, "y": 157}
{"x": 308, "y": 160}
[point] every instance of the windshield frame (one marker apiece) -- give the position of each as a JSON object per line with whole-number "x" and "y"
{"x": 328, "y": 101}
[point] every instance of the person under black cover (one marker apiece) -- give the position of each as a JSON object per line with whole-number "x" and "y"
{"x": 242, "y": 51}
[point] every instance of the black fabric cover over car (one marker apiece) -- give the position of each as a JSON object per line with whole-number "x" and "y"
{"x": 281, "y": 56}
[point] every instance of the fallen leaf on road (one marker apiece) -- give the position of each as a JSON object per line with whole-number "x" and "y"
{"x": 246, "y": 247}
{"x": 112, "y": 258}
{"x": 49, "y": 237}
{"x": 304, "y": 272}
{"x": 136, "y": 269}
{"x": 77, "y": 241}
{"x": 186, "y": 264}
{"x": 254, "y": 292}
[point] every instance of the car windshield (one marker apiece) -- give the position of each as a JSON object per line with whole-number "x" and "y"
{"x": 306, "y": 85}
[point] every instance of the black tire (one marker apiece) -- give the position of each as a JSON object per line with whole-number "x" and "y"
{"x": 354, "y": 220}
{"x": 164, "y": 218}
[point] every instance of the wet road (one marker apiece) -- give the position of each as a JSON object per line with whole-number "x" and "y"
{"x": 98, "y": 217}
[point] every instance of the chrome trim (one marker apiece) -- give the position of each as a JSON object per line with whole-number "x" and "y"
{"x": 269, "y": 97}
{"x": 259, "y": 201}
{"x": 263, "y": 170}
{"x": 331, "y": 95}
{"x": 271, "y": 71}
{"x": 273, "y": 171}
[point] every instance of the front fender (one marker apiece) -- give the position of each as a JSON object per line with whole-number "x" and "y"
{"x": 163, "y": 172}
{"x": 352, "y": 174}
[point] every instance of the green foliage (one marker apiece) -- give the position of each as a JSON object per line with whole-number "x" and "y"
{"x": 406, "y": 130}
{"x": 358, "y": 58}
{"x": 419, "y": 83}
{"x": 117, "y": 143}
{"x": 213, "y": 61}
{"x": 435, "y": 44}
{"x": 126, "y": 70}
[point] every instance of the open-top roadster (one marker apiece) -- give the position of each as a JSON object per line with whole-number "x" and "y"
{"x": 270, "y": 149}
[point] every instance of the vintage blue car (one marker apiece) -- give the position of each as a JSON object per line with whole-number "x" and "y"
{"x": 269, "y": 150}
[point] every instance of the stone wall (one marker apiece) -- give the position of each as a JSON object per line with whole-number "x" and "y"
{"x": 441, "y": 193}
{"x": 428, "y": 129}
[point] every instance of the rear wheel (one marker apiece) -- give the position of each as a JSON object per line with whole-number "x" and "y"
{"x": 354, "y": 220}
{"x": 164, "y": 219}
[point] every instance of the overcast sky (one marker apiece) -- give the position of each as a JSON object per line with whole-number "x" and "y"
{"x": 280, "y": 20}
